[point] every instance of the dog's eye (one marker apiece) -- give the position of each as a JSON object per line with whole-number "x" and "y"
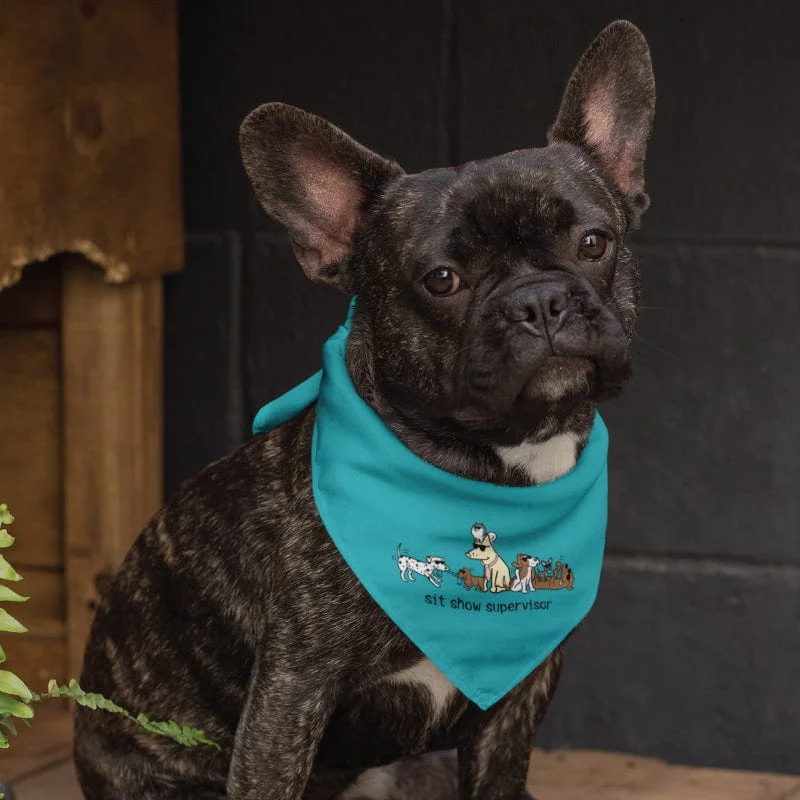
{"x": 593, "y": 246}
{"x": 442, "y": 281}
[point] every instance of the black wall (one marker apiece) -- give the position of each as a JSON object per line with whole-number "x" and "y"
{"x": 693, "y": 650}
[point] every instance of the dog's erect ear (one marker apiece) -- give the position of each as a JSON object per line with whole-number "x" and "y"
{"x": 608, "y": 107}
{"x": 492, "y": 536}
{"x": 312, "y": 178}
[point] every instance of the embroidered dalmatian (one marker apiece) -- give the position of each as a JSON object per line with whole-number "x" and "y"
{"x": 432, "y": 568}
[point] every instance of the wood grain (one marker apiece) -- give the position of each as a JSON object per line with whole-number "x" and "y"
{"x": 41, "y": 653}
{"x": 44, "y": 614}
{"x": 580, "y": 774}
{"x": 57, "y": 783}
{"x": 37, "y": 659}
{"x": 90, "y": 136}
{"x": 46, "y": 743}
{"x": 30, "y": 433}
{"x": 113, "y": 398}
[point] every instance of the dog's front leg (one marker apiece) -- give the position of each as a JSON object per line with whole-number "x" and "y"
{"x": 287, "y": 708}
{"x": 493, "y": 760}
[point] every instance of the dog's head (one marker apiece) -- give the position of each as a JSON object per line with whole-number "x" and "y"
{"x": 493, "y": 295}
{"x": 479, "y": 532}
{"x": 480, "y": 535}
{"x": 438, "y": 563}
{"x": 524, "y": 561}
{"x": 463, "y": 574}
{"x": 483, "y": 549}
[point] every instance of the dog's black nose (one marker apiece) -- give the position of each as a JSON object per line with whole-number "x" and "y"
{"x": 541, "y": 308}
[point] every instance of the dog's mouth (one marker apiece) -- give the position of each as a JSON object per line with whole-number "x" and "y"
{"x": 557, "y": 384}
{"x": 558, "y": 377}
{"x": 513, "y": 378}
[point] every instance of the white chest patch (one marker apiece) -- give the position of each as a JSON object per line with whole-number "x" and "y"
{"x": 426, "y": 673}
{"x": 542, "y": 461}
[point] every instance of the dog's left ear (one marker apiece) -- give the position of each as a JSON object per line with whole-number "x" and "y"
{"x": 492, "y": 536}
{"x": 608, "y": 108}
{"x": 315, "y": 180}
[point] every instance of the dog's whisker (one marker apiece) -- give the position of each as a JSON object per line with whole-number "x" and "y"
{"x": 655, "y": 347}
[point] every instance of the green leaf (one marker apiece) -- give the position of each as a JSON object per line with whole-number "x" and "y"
{"x": 8, "y": 705}
{"x": 2, "y": 655}
{"x": 180, "y": 734}
{"x": 6, "y": 518}
{"x": 8, "y": 723}
{"x": 8, "y": 595}
{"x": 8, "y": 623}
{"x": 7, "y": 572}
{"x": 108, "y": 705}
{"x": 6, "y": 539}
{"x": 11, "y": 684}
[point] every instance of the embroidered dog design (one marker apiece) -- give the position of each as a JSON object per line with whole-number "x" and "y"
{"x": 524, "y": 568}
{"x": 559, "y": 577}
{"x": 432, "y": 568}
{"x": 468, "y": 580}
{"x": 495, "y": 570}
{"x": 544, "y": 569}
{"x": 563, "y": 576}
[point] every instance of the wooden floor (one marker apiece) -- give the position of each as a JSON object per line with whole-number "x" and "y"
{"x": 38, "y": 767}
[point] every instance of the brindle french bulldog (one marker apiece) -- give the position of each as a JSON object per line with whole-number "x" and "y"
{"x": 497, "y": 301}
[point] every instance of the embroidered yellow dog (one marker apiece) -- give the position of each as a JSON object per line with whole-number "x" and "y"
{"x": 495, "y": 570}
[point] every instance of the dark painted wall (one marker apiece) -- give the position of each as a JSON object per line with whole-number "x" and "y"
{"x": 693, "y": 651}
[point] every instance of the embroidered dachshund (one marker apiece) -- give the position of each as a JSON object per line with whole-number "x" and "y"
{"x": 431, "y": 568}
{"x": 495, "y": 570}
{"x": 470, "y": 581}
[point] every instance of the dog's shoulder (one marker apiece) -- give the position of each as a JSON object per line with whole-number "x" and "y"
{"x": 227, "y": 530}
{"x": 262, "y": 473}
{"x": 236, "y": 511}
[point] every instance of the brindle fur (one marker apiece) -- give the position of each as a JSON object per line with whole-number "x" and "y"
{"x": 295, "y": 685}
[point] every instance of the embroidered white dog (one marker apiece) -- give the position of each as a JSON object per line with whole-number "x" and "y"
{"x": 524, "y": 568}
{"x": 431, "y": 568}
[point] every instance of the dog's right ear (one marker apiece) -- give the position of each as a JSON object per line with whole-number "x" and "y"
{"x": 314, "y": 179}
{"x": 608, "y": 108}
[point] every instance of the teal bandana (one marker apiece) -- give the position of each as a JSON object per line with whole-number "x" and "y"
{"x": 486, "y": 580}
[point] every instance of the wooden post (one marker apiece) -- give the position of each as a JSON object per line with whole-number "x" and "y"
{"x": 112, "y": 401}
{"x": 90, "y": 138}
